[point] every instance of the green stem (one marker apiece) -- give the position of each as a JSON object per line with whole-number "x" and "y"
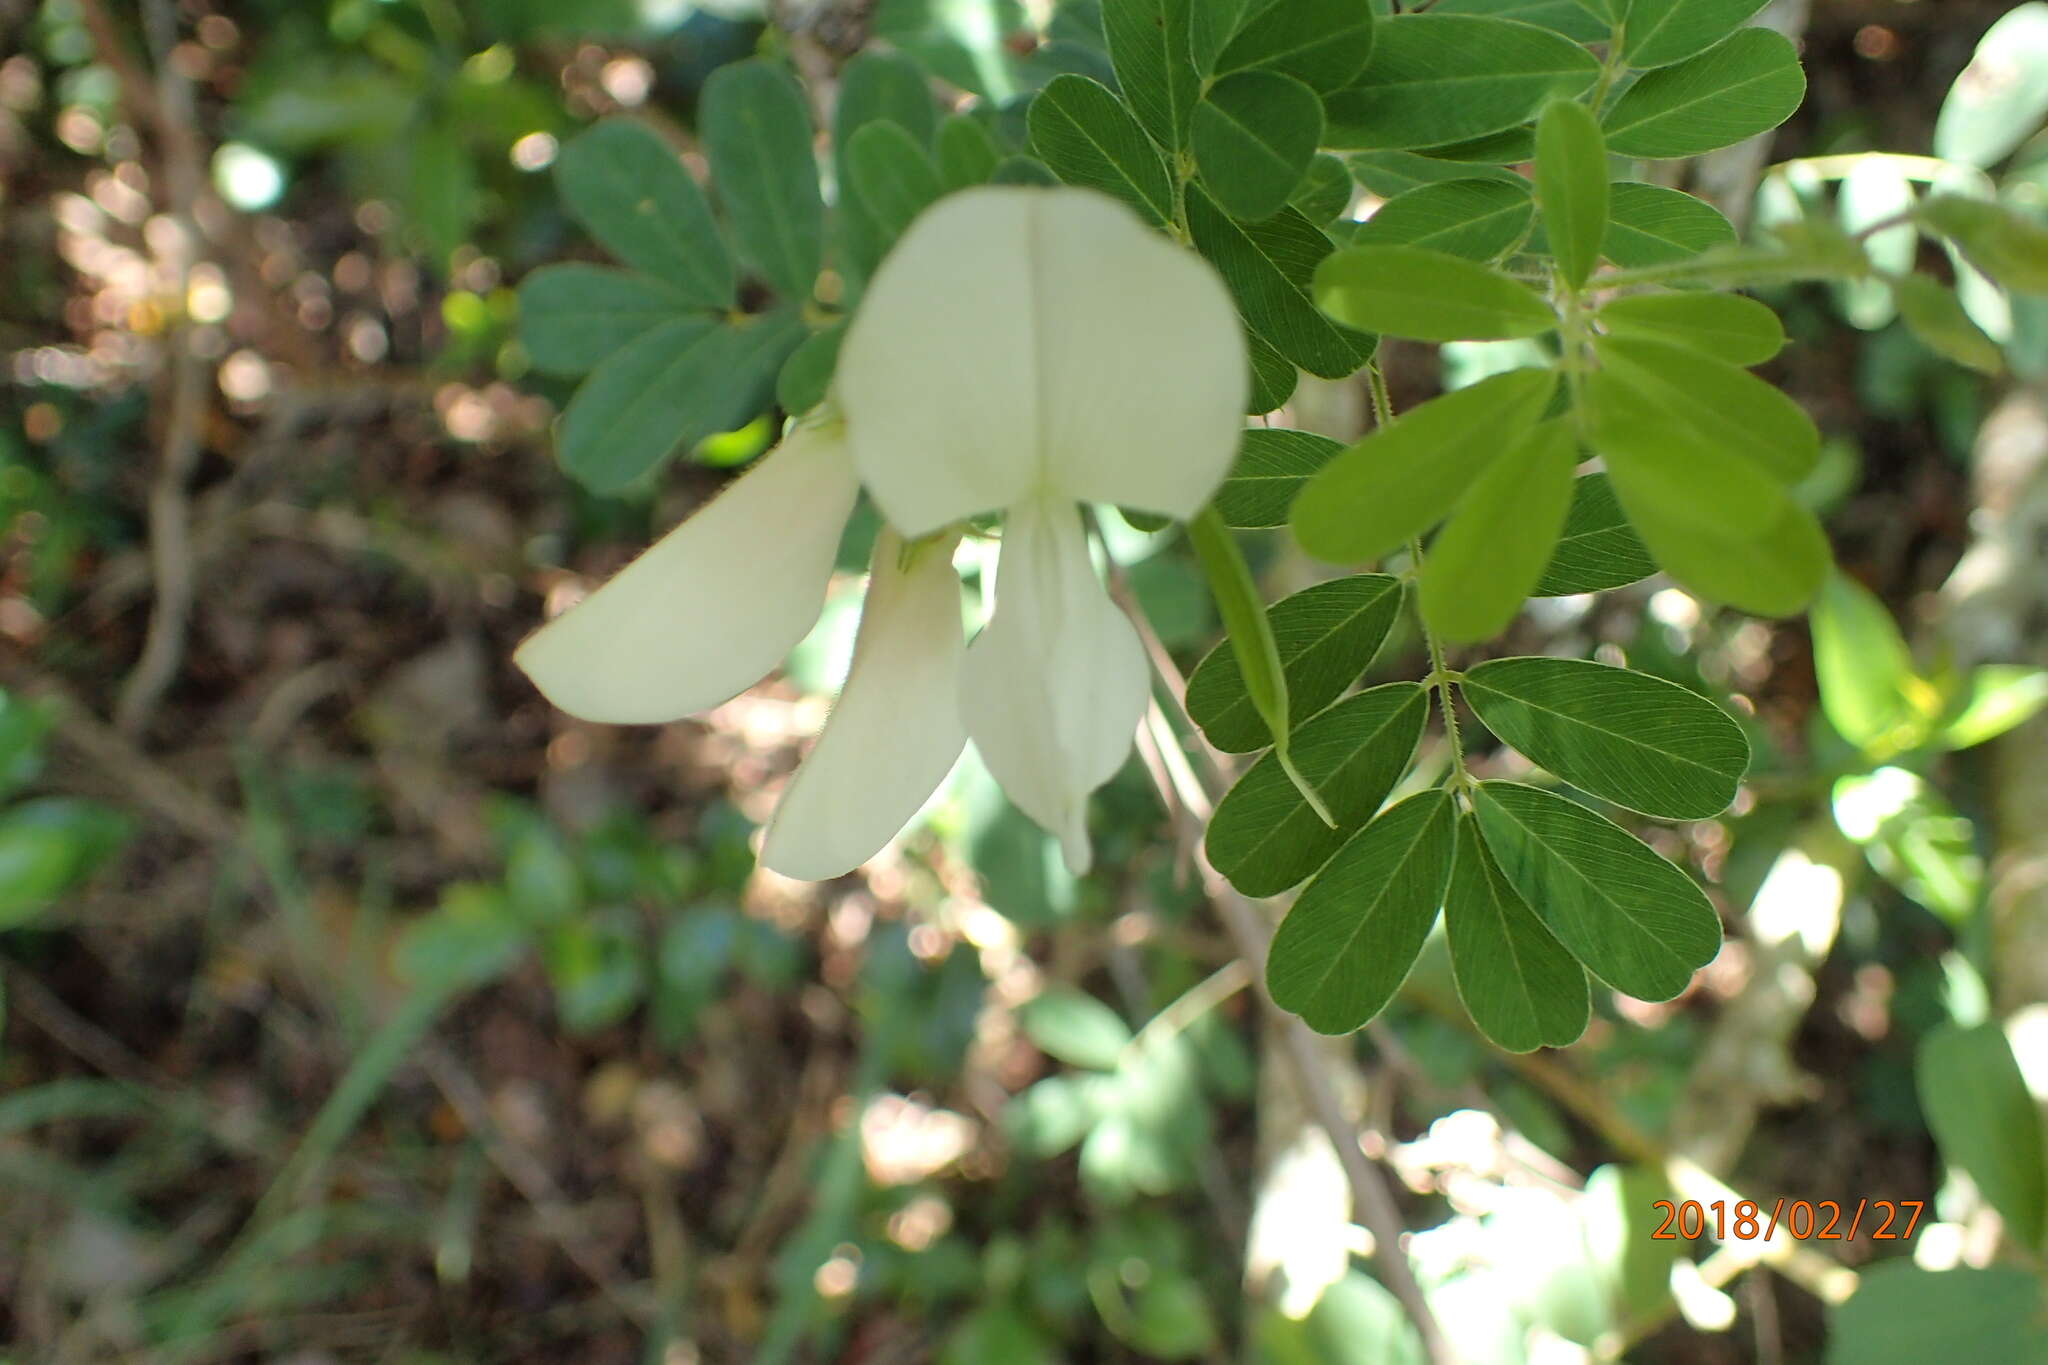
{"x": 1440, "y": 674}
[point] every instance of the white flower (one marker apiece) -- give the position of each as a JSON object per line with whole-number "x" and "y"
{"x": 1022, "y": 351}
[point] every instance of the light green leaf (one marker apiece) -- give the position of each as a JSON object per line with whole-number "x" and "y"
{"x": 572, "y": 316}
{"x": 1864, "y": 670}
{"x": 1598, "y": 549}
{"x": 1353, "y": 935}
{"x": 967, "y": 152}
{"x": 1977, "y": 1103}
{"x": 1638, "y": 741}
{"x": 1089, "y": 138}
{"x": 1264, "y": 837}
{"x": 1412, "y": 291}
{"x": 1492, "y": 551}
{"x": 1322, "y": 43}
{"x": 1636, "y": 921}
{"x": 1253, "y": 135}
{"x": 1272, "y": 465}
{"x": 1935, "y": 315}
{"x": 1074, "y": 1027}
{"x": 807, "y": 375}
{"x": 1914, "y": 839}
{"x": 1661, "y": 32}
{"x": 1326, "y": 636}
{"x": 1150, "y": 47}
{"x": 1771, "y": 568}
{"x": 892, "y": 177}
{"x": 1748, "y": 85}
{"x": 1901, "y": 1314}
{"x": 1999, "y": 697}
{"x": 1435, "y": 79}
{"x": 48, "y": 845}
{"x": 1519, "y": 984}
{"x": 1722, "y": 404}
{"x": 757, "y": 133}
{"x": 2011, "y": 249}
{"x": 1571, "y": 187}
{"x": 677, "y": 384}
{"x": 1405, "y": 477}
{"x": 625, "y": 185}
{"x": 1268, "y": 266}
{"x": 2001, "y": 97}
{"x": 1655, "y": 460}
{"x": 1473, "y": 218}
{"x": 1727, "y": 327}
{"x": 1651, "y": 225}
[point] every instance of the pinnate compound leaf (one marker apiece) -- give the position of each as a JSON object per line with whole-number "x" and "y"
{"x": 1272, "y": 465}
{"x": 757, "y": 133}
{"x": 1747, "y": 85}
{"x": 1350, "y": 940}
{"x": 1636, "y": 921}
{"x": 1253, "y": 136}
{"x": 624, "y": 183}
{"x": 1598, "y": 548}
{"x": 1268, "y": 266}
{"x": 1435, "y": 79}
{"x": 1322, "y": 43}
{"x": 1473, "y": 218}
{"x": 1726, "y": 327}
{"x": 1264, "y": 837}
{"x": 1520, "y": 985}
{"x": 572, "y": 316}
{"x": 1491, "y": 552}
{"x": 1089, "y": 138}
{"x": 1571, "y": 187}
{"x": 1661, "y": 32}
{"x": 1638, "y": 741}
{"x": 1412, "y": 291}
{"x": 1405, "y": 477}
{"x": 1977, "y": 1103}
{"x": 1326, "y": 636}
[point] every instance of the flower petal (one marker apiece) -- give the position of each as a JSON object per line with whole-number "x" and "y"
{"x": 713, "y": 605}
{"x": 1019, "y": 340}
{"x": 896, "y": 729}
{"x": 1055, "y": 685}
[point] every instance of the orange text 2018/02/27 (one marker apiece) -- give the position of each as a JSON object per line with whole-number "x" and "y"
{"x": 1825, "y": 1220}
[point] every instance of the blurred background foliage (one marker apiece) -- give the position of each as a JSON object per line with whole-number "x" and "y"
{"x": 359, "y": 1007}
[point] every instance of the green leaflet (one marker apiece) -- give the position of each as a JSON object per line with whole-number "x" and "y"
{"x": 967, "y": 152}
{"x": 1211, "y": 24}
{"x": 1474, "y": 218}
{"x": 1322, "y": 43}
{"x": 1272, "y": 465}
{"x": 1273, "y": 375}
{"x": 1435, "y": 79}
{"x": 1726, "y": 327}
{"x": 1635, "y": 740}
{"x": 892, "y": 177}
{"x": 757, "y": 133}
{"x": 1405, "y": 477}
{"x": 1571, "y": 187}
{"x": 1268, "y": 267}
{"x": 1651, "y": 225}
{"x": 1863, "y": 668}
{"x": 1933, "y": 313}
{"x": 1747, "y": 85}
{"x": 1636, "y": 921}
{"x": 807, "y": 375}
{"x": 1253, "y": 135}
{"x": 1412, "y": 291}
{"x": 1520, "y": 985}
{"x": 1352, "y": 937}
{"x": 572, "y": 316}
{"x": 1575, "y": 19}
{"x": 1721, "y": 404}
{"x": 1901, "y": 1314}
{"x": 1492, "y": 550}
{"x": 1149, "y": 45}
{"x": 1598, "y": 548}
{"x": 1325, "y": 191}
{"x": 1661, "y": 32}
{"x": 2011, "y": 249}
{"x": 1074, "y": 1027}
{"x": 1977, "y": 1104}
{"x": 625, "y": 185}
{"x": 1326, "y": 636}
{"x": 875, "y": 87}
{"x": 1089, "y": 138}
{"x": 1657, "y": 461}
{"x": 1389, "y": 174}
{"x": 677, "y": 384}
{"x": 1772, "y": 567}
{"x": 1264, "y": 837}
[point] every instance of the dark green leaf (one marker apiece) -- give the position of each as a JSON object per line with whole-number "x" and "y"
{"x": 1389, "y": 174}
{"x": 1725, "y": 327}
{"x": 967, "y": 152}
{"x": 1519, "y": 984}
{"x": 1441, "y": 78}
{"x": 1575, "y": 20}
{"x": 1268, "y": 267}
{"x": 874, "y": 87}
{"x": 1636, "y": 921}
{"x": 1598, "y": 549}
{"x": 1412, "y": 291}
{"x": 1265, "y": 838}
{"x": 1272, "y": 465}
{"x": 1977, "y": 1103}
{"x": 625, "y": 185}
{"x": 1323, "y": 43}
{"x": 1651, "y": 225}
{"x": 1492, "y": 550}
{"x": 889, "y": 172}
{"x": 1635, "y": 740}
{"x": 1253, "y": 135}
{"x": 807, "y": 374}
{"x": 1150, "y": 47}
{"x": 1864, "y": 669}
{"x": 1326, "y": 635}
{"x": 1571, "y": 187}
{"x": 1022, "y": 170}
{"x": 1473, "y": 218}
{"x": 757, "y": 132}
{"x": 572, "y": 316}
{"x": 1661, "y": 32}
{"x": 1352, "y": 937}
{"x": 1086, "y": 135}
{"x": 1273, "y": 376}
{"x": 1325, "y": 192}
{"x": 1211, "y": 25}
{"x": 1901, "y": 1314}
{"x": 1748, "y": 85}
{"x": 47, "y": 846}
